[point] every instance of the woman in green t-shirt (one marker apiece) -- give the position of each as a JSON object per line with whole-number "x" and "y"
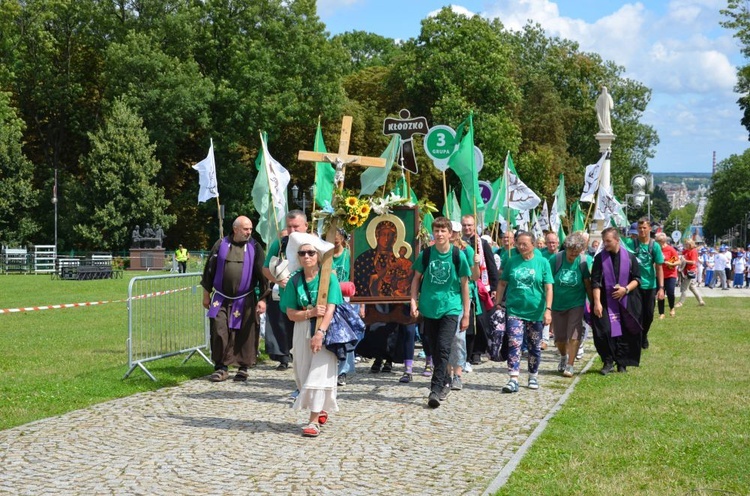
{"x": 572, "y": 284}
{"x": 315, "y": 368}
{"x": 528, "y": 304}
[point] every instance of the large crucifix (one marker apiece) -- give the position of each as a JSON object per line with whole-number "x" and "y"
{"x": 340, "y": 160}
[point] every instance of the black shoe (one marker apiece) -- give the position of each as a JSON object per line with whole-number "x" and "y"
{"x": 607, "y": 368}
{"x": 376, "y": 366}
{"x": 387, "y": 367}
{"x": 433, "y": 401}
{"x": 644, "y": 345}
{"x": 622, "y": 369}
{"x": 282, "y": 366}
{"x": 341, "y": 380}
{"x": 444, "y": 393}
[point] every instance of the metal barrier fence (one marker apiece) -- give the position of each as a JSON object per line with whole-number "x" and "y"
{"x": 165, "y": 318}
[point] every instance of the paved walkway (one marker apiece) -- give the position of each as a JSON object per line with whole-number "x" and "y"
{"x": 243, "y": 438}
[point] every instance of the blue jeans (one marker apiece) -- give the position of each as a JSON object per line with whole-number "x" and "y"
{"x": 532, "y": 331}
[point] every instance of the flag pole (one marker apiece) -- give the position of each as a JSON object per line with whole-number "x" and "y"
{"x": 221, "y": 224}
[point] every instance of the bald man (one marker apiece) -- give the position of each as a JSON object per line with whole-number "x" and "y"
{"x": 234, "y": 292}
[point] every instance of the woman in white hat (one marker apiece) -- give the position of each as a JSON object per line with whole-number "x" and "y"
{"x": 315, "y": 368}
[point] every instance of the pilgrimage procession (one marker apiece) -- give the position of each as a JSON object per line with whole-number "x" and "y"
{"x": 439, "y": 264}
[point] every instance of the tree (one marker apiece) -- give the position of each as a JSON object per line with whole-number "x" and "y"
{"x": 17, "y": 195}
{"x": 366, "y": 49}
{"x": 117, "y": 190}
{"x": 660, "y": 206}
{"x": 729, "y": 196}
{"x": 738, "y": 19}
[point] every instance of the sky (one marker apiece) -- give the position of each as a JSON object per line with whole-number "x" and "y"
{"x": 674, "y": 47}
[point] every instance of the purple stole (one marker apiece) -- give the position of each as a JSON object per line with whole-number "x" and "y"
{"x": 608, "y": 275}
{"x": 238, "y": 303}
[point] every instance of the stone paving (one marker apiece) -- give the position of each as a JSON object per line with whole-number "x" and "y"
{"x": 243, "y": 438}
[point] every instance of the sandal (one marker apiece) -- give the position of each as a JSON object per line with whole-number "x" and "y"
{"x": 220, "y": 375}
{"x": 511, "y": 387}
{"x": 322, "y": 417}
{"x": 311, "y": 430}
{"x": 405, "y": 378}
{"x": 241, "y": 375}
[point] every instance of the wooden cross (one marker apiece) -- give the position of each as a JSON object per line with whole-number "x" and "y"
{"x": 340, "y": 160}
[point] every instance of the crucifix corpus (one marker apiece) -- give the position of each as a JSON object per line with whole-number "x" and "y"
{"x": 340, "y": 160}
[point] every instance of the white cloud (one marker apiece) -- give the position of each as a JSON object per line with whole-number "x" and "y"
{"x": 457, "y": 9}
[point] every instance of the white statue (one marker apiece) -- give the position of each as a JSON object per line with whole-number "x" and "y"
{"x": 604, "y": 105}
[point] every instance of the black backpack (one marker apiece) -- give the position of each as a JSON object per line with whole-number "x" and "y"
{"x": 455, "y": 255}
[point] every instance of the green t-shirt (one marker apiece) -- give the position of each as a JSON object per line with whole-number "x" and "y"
{"x": 525, "y": 294}
{"x": 473, "y": 291}
{"x": 441, "y": 286}
{"x": 341, "y": 265}
{"x": 513, "y": 252}
{"x": 646, "y": 260}
{"x": 569, "y": 290}
{"x": 296, "y": 299}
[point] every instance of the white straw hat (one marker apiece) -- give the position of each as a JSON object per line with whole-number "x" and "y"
{"x": 296, "y": 240}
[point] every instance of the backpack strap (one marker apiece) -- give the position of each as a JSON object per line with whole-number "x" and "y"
{"x": 282, "y": 246}
{"x": 558, "y": 261}
{"x": 456, "y": 255}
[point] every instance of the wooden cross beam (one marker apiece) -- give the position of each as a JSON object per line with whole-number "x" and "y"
{"x": 340, "y": 160}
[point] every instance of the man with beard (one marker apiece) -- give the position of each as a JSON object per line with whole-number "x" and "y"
{"x": 234, "y": 272}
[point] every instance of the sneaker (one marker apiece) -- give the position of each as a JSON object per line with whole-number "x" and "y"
{"x": 456, "y": 384}
{"x": 341, "y": 380}
{"x": 533, "y": 382}
{"x": 282, "y": 366}
{"x": 427, "y": 371}
{"x": 294, "y": 394}
{"x": 433, "y": 401}
{"x": 387, "y": 368}
{"x": 562, "y": 363}
{"x": 569, "y": 370}
{"x": 607, "y": 368}
{"x": 468, "y": 368}
{"x": 511, "y": 387}
{"x": 579, "y": 355}
{"x": 444, "y": 393}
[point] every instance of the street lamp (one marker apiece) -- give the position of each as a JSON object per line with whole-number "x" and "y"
{"x": 304, "y": 201}
{"x": 639, "y": 195}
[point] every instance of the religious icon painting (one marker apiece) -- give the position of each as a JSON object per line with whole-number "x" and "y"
{"x": 383, "y": 251}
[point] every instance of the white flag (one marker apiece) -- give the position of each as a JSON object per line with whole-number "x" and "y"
{"x": 522, "y": 220}
{"x": 554, "y": 217}
{"x": 519, "y": 196}
{"x": 544, "y": 219}
{"x": 207, "y": 176}
{"x": 591, "y": 179}
{"x": 536, "y": 229}
{"x": 607, "y": 205}
{"x": 278, "y": 180}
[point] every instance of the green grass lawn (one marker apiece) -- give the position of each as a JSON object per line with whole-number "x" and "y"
{"x": 55, "y": 361}
{"x": 679, "y": 424}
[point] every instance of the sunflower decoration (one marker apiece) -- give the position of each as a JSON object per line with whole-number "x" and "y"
{"x": 347, "y": 209}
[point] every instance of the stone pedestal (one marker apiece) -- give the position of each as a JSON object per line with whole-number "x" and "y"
{"x": 146, "y": 258}
{"x": 605, "y": 145}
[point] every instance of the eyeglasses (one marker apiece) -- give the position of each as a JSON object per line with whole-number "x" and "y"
{"x": 309, "y": 253}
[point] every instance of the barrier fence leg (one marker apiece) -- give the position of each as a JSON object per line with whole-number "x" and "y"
{"x": 198, "y": 351}
{"x": 144, "y": 369}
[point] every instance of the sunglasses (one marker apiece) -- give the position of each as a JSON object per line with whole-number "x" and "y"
{"x": 309, "y": 253}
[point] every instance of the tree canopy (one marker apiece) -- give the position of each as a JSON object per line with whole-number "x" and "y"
{"x": 80, "y": 75}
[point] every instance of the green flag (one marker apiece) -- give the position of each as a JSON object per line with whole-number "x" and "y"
{"x": 374, "y": 177}
{"x": 462, "y": 163}
{"x": 427, "y": 222}
{"x": 451, "y": 209}
{"x": 404, "y": 191}
{"x": 579, "y": 219}
{"x": 324, "y": 173}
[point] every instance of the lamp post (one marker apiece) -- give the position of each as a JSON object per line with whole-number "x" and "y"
{"x": 639, "y": 195}
{"x": 304, "y": 201}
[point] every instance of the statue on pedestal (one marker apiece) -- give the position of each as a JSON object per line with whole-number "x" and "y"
{"x": 136, "y": 238}
{"x": 604, "y": 105}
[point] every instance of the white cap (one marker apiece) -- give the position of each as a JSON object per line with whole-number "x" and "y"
{"x": 456, "y": 226}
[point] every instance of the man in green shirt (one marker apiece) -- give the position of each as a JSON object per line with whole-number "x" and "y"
{"x": 552, "y": 243}
{"x": 650, "y": 259}
{"x": 440, "y": 292}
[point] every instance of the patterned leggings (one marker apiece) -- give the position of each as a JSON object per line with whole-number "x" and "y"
{"x": 517, "y": 329}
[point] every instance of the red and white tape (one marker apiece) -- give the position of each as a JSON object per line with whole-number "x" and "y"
{"x": 87, "y": 303}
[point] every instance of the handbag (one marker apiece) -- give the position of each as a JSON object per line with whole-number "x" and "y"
{"x": 496, "y": 335}
{"x": 345, "y": 330}
{"x": 484, "y": 297}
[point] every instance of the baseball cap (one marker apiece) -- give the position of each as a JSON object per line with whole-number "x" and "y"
{"x": 633, "y": 228}
{"x": 456, "y": 226}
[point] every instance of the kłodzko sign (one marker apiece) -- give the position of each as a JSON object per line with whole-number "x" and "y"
{"x": 406, "y": 127}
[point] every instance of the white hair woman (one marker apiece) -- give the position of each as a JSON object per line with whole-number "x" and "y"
{"x": 315, "y": 368}
{"x": 572, "y": 283}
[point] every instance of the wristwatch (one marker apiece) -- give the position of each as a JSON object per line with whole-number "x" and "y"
{"x": 324, "y": 331}
{"x": 627, "y": 290}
